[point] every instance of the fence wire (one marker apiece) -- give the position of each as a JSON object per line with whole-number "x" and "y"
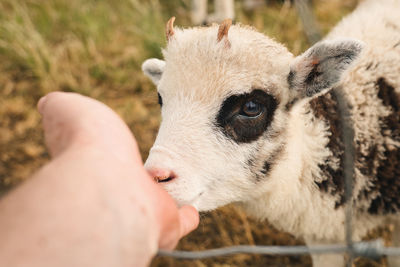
{"x": 371, "y": 249}
{"x": 368, "y": 249}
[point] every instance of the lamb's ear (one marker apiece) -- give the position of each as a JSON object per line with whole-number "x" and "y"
{"x": 321, "y": 66}
{"x": 153, "y": 68}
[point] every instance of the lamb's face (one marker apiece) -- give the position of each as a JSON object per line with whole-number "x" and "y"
{"x": 218, "y": 148}
{"x": 224, "y": 110}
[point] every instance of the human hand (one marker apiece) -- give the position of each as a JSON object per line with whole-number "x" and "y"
{"x": 74, "y": 122}
{"x": 93, "y": 204}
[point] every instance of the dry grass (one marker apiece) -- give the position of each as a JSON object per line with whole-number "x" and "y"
{"x": 96, "y": 48}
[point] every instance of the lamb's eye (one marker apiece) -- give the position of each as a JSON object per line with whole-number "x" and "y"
{"x": 245, "y": 117}
{"x": 251, "y": 109}
{"x": 159, "y": 99}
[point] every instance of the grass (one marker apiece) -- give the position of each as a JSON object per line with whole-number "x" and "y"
{"x": 90, "y": 47}
{"x": 96, "y": 48}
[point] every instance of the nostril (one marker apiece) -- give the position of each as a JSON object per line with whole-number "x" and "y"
{"x": 162, "y": 176}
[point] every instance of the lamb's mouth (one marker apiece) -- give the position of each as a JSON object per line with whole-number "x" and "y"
{"x": 168, "y": 179}
{"x": 192, "y": 202}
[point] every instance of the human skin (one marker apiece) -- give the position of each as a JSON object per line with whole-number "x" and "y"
{"x": 93, "y": 204}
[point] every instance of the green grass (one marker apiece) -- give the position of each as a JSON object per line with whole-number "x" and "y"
{"x": 82, "y": 46}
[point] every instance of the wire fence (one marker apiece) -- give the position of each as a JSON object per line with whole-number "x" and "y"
{"x": 368, "y": 249}
{"x": 371, "y": 249}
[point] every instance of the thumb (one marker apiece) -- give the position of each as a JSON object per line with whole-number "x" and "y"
{"x": 72, "y": 119}
{"x": 189, "y": 220}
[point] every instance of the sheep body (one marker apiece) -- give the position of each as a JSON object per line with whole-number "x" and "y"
{"x": 287, "y": 168}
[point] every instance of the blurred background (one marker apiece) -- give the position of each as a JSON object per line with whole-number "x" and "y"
{"x": 95, "y": 48}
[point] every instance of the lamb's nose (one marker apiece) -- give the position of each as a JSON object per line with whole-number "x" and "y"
{"x": 161, "y": 175}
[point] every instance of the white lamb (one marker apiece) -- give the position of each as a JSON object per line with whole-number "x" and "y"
{"x": 245, "y": 121}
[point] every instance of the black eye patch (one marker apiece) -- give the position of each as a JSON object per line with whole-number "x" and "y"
{"x": 246, "y": 117}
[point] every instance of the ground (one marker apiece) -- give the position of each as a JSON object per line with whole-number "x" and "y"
{"x": 96, "y": 48}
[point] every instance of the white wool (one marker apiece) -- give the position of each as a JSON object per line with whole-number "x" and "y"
{"x": 210, "y": 166}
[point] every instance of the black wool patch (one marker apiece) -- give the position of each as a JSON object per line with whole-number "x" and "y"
{"x": 387, "y": 180}
{"x": 290, "y": 78}
{"x": 260, "y": 167}
{"x": 160, "y": 102}
{"x": 325, "y": 108}
{"x": 266, "y": 167}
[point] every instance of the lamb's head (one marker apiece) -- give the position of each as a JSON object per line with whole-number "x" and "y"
{"x": 226, "y": 94}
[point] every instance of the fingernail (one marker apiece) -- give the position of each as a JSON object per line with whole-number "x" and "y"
{"x": 41, "y": 104}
